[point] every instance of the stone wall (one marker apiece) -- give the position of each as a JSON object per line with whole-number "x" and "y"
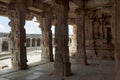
{"x": 99, "y": 38}
{"x": 31, "y": 41}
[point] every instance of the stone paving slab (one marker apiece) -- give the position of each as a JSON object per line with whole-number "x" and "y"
{"x": 3, "y": 79}
{"x": 102, "y": 71}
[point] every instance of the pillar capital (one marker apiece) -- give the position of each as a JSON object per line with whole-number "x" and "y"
{"x": 47, "y": 9}
{"x": 61, "y": 9}
{"x": 46, "y": 13}
{"x": 80, "y": 11}
{"x": 20, "y": 5}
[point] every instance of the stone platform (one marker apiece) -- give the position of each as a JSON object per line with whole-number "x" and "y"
{"x": 97, "y": 70}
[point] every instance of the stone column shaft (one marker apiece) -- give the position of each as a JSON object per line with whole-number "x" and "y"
{"x": 35, "y": 42}
{"x": 62, "y": 63}
{"x": 74, "y": 40}
{"x": 0, "y": 45}
{"x": 113, "y": 22}
{"x": 30, "y": 42}
{"x": 117, "y": 39}
{"x": 18, "y": 36}
{"x": 47, "y": 49}
{"x": 81, "y": 50}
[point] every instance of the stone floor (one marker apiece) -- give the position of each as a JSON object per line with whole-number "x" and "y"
{"x": 97, "y": 70}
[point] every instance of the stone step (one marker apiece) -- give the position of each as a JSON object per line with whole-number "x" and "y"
{"x": 2, "y": 65}
{"x": 5, "y": 57}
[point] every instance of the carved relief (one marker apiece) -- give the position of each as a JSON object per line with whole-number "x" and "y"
{"x": 17, "y": 38}
{"x": 81, "y": 49}
{"x": 62, "y": 63}
{"x": 45, "y": 25}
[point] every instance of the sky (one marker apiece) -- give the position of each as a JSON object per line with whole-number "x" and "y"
{"x": 32, "y": 27}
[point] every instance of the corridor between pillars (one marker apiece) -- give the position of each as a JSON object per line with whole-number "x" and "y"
{"x": 18, "y": 35}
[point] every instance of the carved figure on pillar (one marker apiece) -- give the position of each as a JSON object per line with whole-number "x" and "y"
{"x": 81, "y": 49}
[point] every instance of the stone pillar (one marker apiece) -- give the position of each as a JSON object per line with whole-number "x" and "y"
{"x": 53, "y": 42}
{"x": 9, "y": 45}
{"x": 62, "y": 63}
{"x": 17, "y": 35}
{"x": 117, "y": 39}
{"x": 0, "y": 45}
{"x": 30, "y": 42}
{"x": 74, "y": 41}
{"x": 113, "y": 23}
{"x": 81, "y": 50}
{"x": 45, "y": 25}
{"x": 36, "y": 42}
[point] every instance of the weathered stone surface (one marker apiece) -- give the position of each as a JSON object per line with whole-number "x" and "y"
{"x": 117, "y": 39}
{"x": 0, "y": 46}
{"x": 45, "y": 25}
{"x": 18, "y": 36}
{"x": 62, "y": 64}
{"x": 81, "y": 50}
{"x": 99, "y": 34}
{"x": 101, "y": 30}
{"x": 2, "y": 65}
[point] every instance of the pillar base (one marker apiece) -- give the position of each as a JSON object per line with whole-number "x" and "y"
{"x": 51, "y": 60}
{"x": 63, "y": 71}
{"x": 117, "y": 70}
{"x": 45, "y": 59}
{"x": 21, "y": 68}
{"x": 81, "y": 61}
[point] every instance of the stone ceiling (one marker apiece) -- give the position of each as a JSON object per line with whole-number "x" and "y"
{"x": 35, "y": 6}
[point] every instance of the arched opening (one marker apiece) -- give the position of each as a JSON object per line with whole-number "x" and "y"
{"x": 38, "y": 42}
{"x": 5, "y": 54}
{"x": 70, "y": 41}
{"x": 33, "y": 42}
{"x": 5, "y": 46}
{"x": 28, "y": 42}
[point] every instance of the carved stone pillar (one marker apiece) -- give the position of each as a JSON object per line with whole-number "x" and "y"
{"x": 74, "y": 41}
{"x": 0, "y": 45}
{"x": 35, "y": 42}
{"x": 18, "y": 35}
{"x": 9, "y": 45}
{"x": 30, "y": 42}
{"x": 45, "y": 25}
{"x": 117, "y": 39}
{"x": 113, "y": 22}
{"x": 81, "y": 50}
{"x": 62, "y": 63}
